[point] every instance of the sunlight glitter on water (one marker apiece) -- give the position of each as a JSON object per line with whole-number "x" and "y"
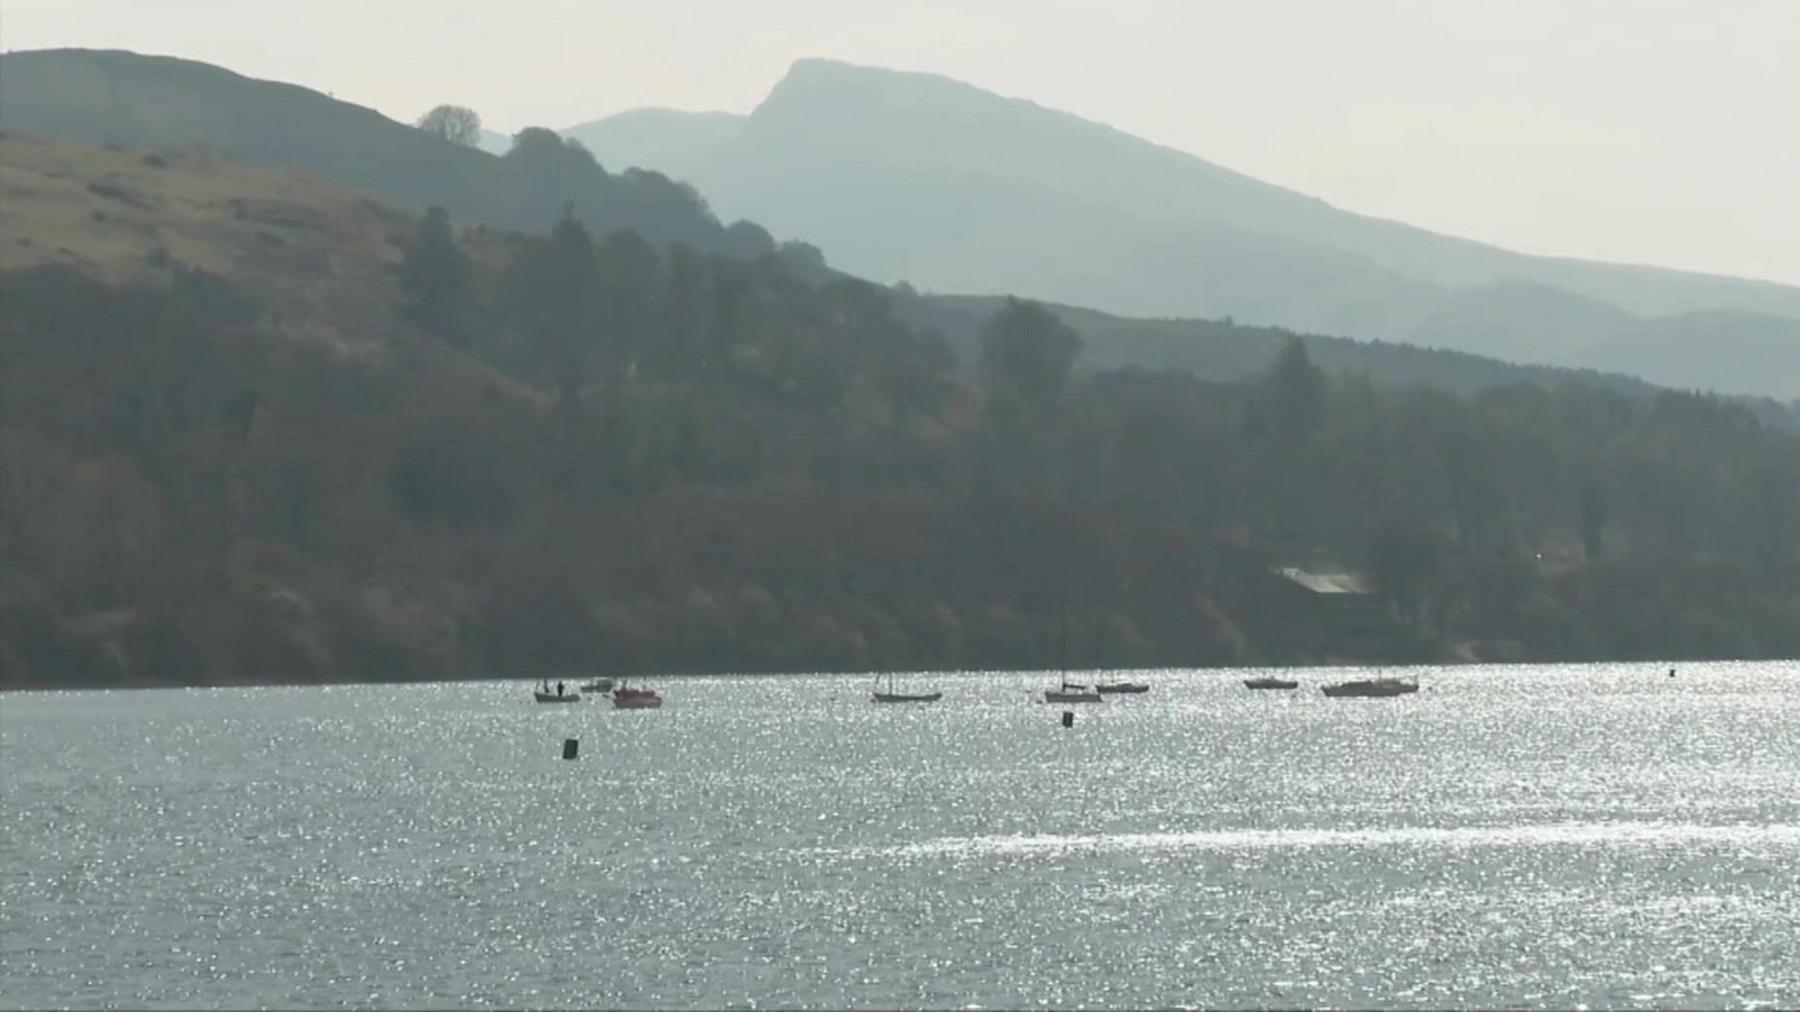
{"x": 1508, "y": 837}
{"x": 1591, "y": 834}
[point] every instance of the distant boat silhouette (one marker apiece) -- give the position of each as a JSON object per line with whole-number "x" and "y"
{"x": 1372, "y": 687}
{"x": 890, "y": 696}
{"x": 544, "y": 694}
{"x": 1071, "y": 692}
{"x": 626, "y": 698}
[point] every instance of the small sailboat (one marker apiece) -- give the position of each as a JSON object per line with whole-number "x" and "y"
{"x": 627, "y": 698}
{"x": 1270, "y": 682}
{"x": 890, "y": 696}
{"x": 1069, "y": 692}
{"x": 545, "y": 694}
{"x": 1072, "y": 692}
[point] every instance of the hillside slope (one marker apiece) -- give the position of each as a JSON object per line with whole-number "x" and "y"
{"x": 647, "y": 138}
{"x": 918, "y": 177}
{"x": 915, "y": 177}
{"x": 326, "y": 255}
{"x": 320, "y": 255}
{"x": 1228, "y": 351}
{"x": 118, "y": 98}
{"x": 256, "y": 426}
{"x": 1757, "y": 353}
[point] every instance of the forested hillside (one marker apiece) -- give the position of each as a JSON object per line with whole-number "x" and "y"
{"x": 255, "y": 426}
{"x": 1228, "y": 350}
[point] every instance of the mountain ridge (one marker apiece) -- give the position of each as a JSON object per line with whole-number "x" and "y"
{"x": 904, "y": 175}
{"x": 811, "y": 75}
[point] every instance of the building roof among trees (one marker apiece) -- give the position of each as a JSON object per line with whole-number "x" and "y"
{"x": 1326, "y": 583}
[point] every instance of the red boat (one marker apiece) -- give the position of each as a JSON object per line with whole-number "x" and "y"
{"x": 636, "y": 699}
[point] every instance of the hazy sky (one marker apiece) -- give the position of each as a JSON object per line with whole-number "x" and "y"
{"x": 1654, "y": 131}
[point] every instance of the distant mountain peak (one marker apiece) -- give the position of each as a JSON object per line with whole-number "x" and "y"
{"x": 909, "y": 174}
{"x": 826, "y": 68}
{"x": 838, "y": 105}
{"x": 843, "y": 83}
{"x": 822, "y": 69}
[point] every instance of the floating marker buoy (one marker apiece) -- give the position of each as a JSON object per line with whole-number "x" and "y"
{"x": 569, "y": 747}
{"x": 1068, "y": 718}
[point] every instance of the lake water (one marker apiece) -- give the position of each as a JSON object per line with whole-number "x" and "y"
{"x": 1523, "y": 836}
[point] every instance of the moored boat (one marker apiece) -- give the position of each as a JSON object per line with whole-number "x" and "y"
{"x": 1270, "y": 682}
{"x": 1121, "y": 688}
{"x": 545, "y": 694}
{"x": 903, "y": 697}
{"x": 601, "y": 685}
{"x": 1372, "y": 687}
{"x": 626, "y": 698}
{"x": 1071, "y": 692}
{"x": 890, "y": 696}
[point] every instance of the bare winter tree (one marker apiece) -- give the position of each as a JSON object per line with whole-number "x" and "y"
{"x": 454, "y": 123}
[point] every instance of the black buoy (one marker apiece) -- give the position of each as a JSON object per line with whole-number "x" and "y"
{"x": 1068, "y": 718}
{"x": 569, "y": 747}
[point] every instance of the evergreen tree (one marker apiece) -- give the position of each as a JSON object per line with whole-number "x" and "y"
{"x": 555, "y": 290}
{"x": 434, "y": 273}
{"x": 1593, "y": 519}
{"x": 1294, "y": 390}
{"x": 629, "y": 284}
{"x": 1028, "y": 352}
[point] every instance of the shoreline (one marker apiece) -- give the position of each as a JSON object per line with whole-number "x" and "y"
{"x": 1452, "y": 665}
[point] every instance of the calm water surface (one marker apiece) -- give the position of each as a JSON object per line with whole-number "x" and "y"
{"x": 1595, "y": 836}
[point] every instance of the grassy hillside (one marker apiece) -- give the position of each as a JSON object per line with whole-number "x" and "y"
{"x": 125, "y": 99}
{"x": 319, "y": 254}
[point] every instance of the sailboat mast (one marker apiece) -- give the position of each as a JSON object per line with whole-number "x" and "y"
{"x": 1064, "y": 659}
